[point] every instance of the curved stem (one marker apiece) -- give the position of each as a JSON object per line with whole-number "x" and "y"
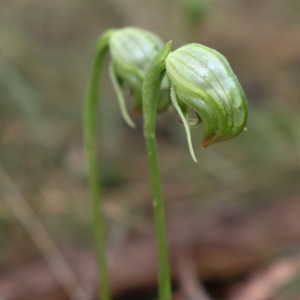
{"x": 90, "y": 136}
{"x": 151, "y": 90}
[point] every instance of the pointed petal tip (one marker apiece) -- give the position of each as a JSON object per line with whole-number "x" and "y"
{"x": 207, "y": 141}
{"x": 169, "y": 44}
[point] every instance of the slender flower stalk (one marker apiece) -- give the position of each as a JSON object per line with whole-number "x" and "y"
{"x": 151, "y": 92}
{"x": 90, "y": 138}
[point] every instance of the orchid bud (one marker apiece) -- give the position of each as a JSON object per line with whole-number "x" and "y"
{"x": 132, "y": 49}
{"x": 202, "y": 79}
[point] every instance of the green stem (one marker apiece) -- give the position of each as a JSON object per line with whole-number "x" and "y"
{"x": 158, "y": 208}
{"x": 151, "y": 90}
{"x": 90, "y": 137}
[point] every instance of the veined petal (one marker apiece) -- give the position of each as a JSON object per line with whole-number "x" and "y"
{"x": 132, "y": 49}
{"x": 205, "y": 82}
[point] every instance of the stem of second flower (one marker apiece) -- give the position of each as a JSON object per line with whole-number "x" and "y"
{"x": 90, "y": 137}
{"x": 151, "y": 91}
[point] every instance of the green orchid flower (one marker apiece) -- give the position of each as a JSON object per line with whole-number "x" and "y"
{"x": 132, "y": 50}
{"x": 202, "y": 80}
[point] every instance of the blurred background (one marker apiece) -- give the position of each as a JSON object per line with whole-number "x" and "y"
{"x": 233, "y": 218}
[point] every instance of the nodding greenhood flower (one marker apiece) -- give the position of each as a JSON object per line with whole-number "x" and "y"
{"x": 132, "y": 49}
{"x": 202, "y": 80}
